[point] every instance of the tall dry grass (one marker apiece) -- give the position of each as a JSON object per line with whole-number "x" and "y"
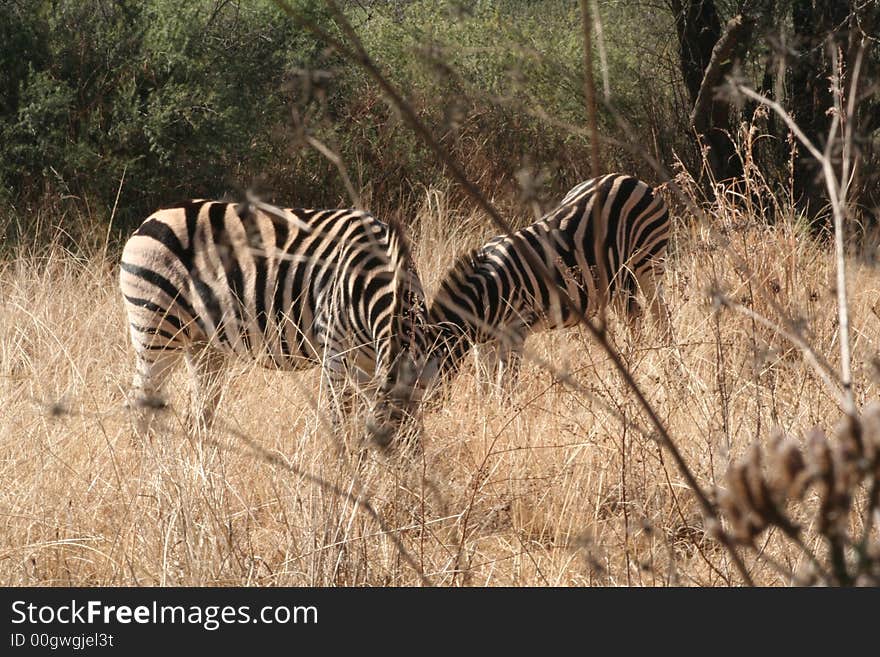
{"x": 546, "y": 487}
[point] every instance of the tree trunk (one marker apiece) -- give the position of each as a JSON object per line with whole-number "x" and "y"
{"x": 864, "y": 31}
{"x": 699, "y": 29}
{"x": 707, "y": 55}
{"x": 818, "y": 25}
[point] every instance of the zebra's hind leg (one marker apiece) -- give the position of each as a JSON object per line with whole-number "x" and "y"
{"x": 205, "y": 366}
{"x": 499, "y": 363}
{"x": 649, "y": 283}
{"x": 152, "y": 368}
{"x": 337, "y": 395}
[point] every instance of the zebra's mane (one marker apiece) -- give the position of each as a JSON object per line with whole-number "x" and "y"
{"x": 409, "y": 314}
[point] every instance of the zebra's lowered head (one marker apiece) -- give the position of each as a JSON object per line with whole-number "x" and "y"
{"x": 403, "y": 380}
{"x": 394, "y": 413}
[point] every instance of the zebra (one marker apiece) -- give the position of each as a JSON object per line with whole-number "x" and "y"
{"x": 289, "y": 289}
{"x": 605, "y": 240}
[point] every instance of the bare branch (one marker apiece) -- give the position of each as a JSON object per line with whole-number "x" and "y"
{"x": 837, "y": 207}
{"x": 737, "y": 31}
{"x": 590, "y": 92}
{"x": 358, "y": 54}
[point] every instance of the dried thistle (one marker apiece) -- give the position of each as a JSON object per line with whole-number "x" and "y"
{"x": 822, "y": 467}
{"x": 836, "y": 468}
{"x": 746, "y": 501}
{"x": 787, "y": 468}
{"x": 743, "y": 530}
{"x": 759, "y": 494}
{"x": 871, "y": 431}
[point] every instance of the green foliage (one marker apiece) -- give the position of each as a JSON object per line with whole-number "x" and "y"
{"x": 501, "y": 81}
{"x": 173, "y": 100}
{"x": 181, "y": 98}
{"x": 193, "y": 99}
{"x": 482, "y": 72}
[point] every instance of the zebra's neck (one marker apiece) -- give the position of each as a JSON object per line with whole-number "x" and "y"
{"x": 482, "y": 299}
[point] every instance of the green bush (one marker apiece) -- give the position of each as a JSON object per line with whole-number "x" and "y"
{"x": 205, "y": 98}
{"x": 501, "y": 82}
{"x": 182, "y": 98}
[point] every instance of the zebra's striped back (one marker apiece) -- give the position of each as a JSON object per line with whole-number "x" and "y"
{"x": 606, "y": 238}
{"x": 287, "y": 288}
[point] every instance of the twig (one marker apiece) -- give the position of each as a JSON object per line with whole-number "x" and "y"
{"x": 340, "y": 166}
{"x": 360, "y": 56}
{"x": 113, "y": 214}
{"x": 357, "y": 500}
{"x": 600, "y": 45}
{"x": 835, "y": 192}
{"x": 823, "y": 369}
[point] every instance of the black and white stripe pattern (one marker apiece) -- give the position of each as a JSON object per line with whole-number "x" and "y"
{"x": 606, "y": 240}
{"x": 289, "y": 289}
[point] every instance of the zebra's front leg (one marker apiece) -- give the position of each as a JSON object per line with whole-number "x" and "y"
{"x": 510, "y": 357}
{"x": 337, "y": 396}
{"x": 509, "y": 366}
{"x": 499, "y": 363}
{"x": 205, "y": 365}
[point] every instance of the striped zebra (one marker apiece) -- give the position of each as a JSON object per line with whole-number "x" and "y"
{"x": 604, "y": 242}
{"x": 289, "y": 289}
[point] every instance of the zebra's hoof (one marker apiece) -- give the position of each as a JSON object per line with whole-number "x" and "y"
{"x": 380, "y": 434}
{"x": 149, "y": 402}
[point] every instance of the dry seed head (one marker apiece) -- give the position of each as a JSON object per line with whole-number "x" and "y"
{"x": 759, "y": 495}
{"x": 824, "y": 491}
{"x": 820, "y": 455}
{"x": 832, "y": 477}
{"x": 871, "y": 430}
{"x": 787, "y": 467}
{"x": 849, "y": 439}
{"x": 777, "y": 437}
{"x": 847, "y": 470}
{"x": 847, "y": 474}
{"x": 742, "y": 529}
{"x": 57, "y": 409}
{"x": 738, "y": 486}
{"x": 822, "y": 469}
{"x": 749, "y": 495}
{"x": 805, "y": 575}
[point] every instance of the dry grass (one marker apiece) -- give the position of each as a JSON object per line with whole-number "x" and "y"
{"x": 544, "y": 488}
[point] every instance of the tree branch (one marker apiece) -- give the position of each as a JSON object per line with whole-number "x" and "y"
{"x": 737, "y": 32}
{"x": 357, "y": 53}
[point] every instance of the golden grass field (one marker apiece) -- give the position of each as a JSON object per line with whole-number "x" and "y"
{"x": 544, "y": 488}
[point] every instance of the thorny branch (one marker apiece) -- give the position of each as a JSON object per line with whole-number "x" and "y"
{"x": 358, "y": 54}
